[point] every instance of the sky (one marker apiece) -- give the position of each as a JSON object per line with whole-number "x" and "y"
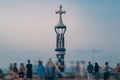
{"x": 27, "y": 30}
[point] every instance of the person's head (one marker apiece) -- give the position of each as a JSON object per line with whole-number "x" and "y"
{"x": 15, "y": 64}
{"x": 106, "y": 63}
{"x": 39, "y": 62}
{"x": 118, "y": 64}
{"x": 89, "y": 62}
{"x": 96, "y": 64}
{"x": 21, "y": 64}
{"x": 50, "y": 59}
{"x": 28, "y": 61}
{"x": 49, "y": 63}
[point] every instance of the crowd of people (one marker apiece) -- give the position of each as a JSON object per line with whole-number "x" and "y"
{"x": 94, "y": 71}
{"x": 19, "y": 74}
{"x": 26, "y": 72}
{"x": 50, "y": 71}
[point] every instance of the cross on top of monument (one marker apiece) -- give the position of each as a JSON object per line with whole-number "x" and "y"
{"x": 60, "y": 12}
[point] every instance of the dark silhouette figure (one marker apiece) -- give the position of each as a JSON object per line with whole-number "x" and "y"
{"x": 29, "y": 71}
{"x": 15, "y": 71}
{"x": 21, "y": 74}
{"x": 22, "y": 71}
{"x": 107, "y": 72}
{"x": 96, "y": 71}
{"x": 1, "y": 74}
{"x": 90, "y": 71}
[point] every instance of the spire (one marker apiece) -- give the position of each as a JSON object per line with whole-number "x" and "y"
{"x": 60, "y": 12}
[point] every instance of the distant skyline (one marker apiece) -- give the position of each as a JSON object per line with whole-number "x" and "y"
{"x": 27, "y": 29}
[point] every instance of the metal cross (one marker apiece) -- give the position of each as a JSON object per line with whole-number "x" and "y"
{"x": 60, "y": 11}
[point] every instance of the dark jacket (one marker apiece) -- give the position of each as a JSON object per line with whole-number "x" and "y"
{"x": 90, "y": 68}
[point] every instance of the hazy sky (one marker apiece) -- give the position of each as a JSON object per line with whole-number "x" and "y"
{"x": 27, "y": 28}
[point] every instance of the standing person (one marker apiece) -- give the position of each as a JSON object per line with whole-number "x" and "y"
{"x": 117, "y": 71}
{"x": 22, "y": 71}
{"x": 96, "y": 71}
{"x": 77, "y": 70}
{"x": 90, "y": 71}
{"x": 15, "y": 71}
{"x": 1, "y": 74}
{"x": 50, "y": 70}
{"x": 10, "y": 68}
{"x": 29, "y": 71}
{"x": 21, "y": 74}
{"x": 22, "y": 67}
{"x": 106, "y": 71}
{"x": 41, "y": 70}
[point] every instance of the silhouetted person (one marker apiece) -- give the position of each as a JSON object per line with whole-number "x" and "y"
{"x": 90, "y": 71}
{"x": 96, "y": 71}
{"x": 106, "y": 71}
{"x": 41, "y": 70}
{"x": 21, "y": 74}
{"x": 15, "y": 71}
{"x": 22, "y": 67}
{"x": 29, "y": 71}
{"x": 1, "y": 74}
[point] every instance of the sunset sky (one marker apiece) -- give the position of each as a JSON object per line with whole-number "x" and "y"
{"x": 27, "y": 28}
